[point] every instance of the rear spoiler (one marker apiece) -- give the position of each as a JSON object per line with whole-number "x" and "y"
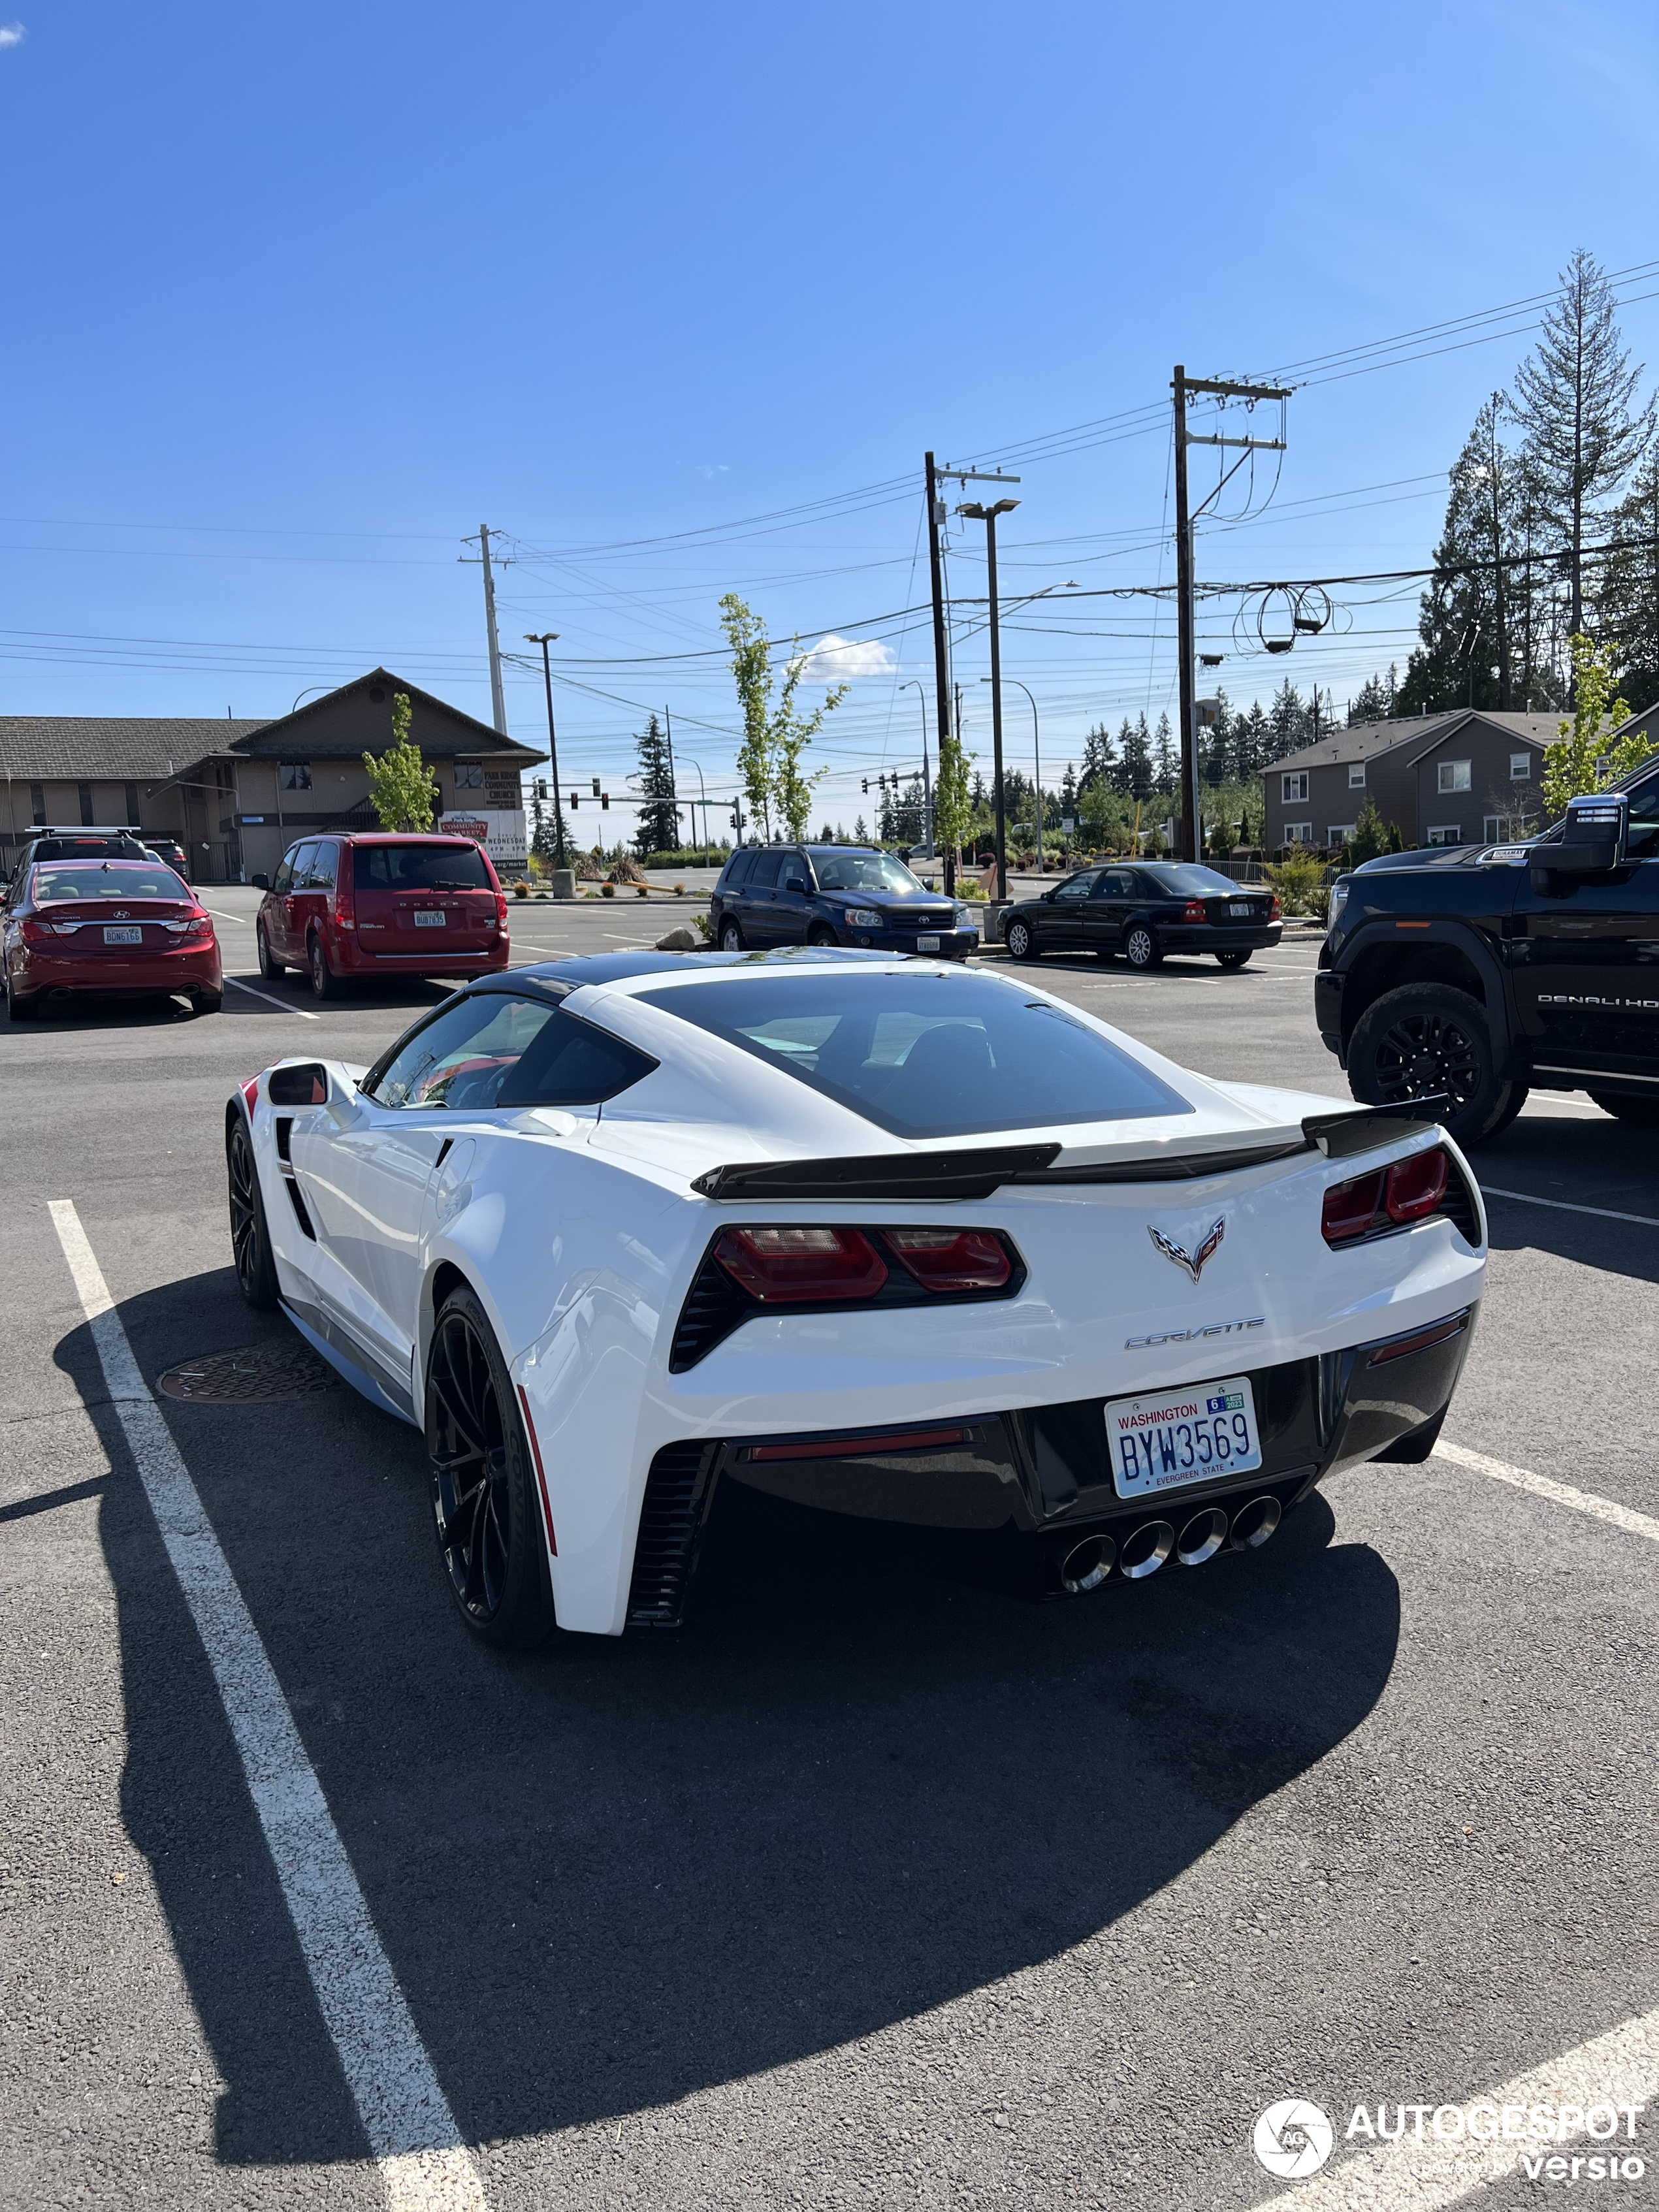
{"x": 975, "y": 1174}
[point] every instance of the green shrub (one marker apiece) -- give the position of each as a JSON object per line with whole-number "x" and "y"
{"x": 1299, "y": 880}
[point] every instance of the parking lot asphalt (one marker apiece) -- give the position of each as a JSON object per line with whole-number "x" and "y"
{"x": 870, "y": 1887}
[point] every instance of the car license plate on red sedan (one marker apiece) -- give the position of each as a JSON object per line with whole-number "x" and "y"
{"x": 113, "y": 935}
{"x": 425, "y": 919}
{"x": 1174, "y": 1438}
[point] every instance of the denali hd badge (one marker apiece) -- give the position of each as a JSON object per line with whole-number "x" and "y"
{"x": 1193, "y": 1262}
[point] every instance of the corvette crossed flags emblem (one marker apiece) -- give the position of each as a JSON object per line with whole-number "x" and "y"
{"x": 1192, "y": 1261}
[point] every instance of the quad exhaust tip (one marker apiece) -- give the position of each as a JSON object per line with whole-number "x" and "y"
{"x": 1145, "y": 1551}
{"x": 1087, "y": 1565}
{"x": 1254, "y": 1524}
{"x": 1202, "y": 1537}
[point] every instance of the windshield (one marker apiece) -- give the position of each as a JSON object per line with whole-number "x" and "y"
{"x": 862, "y": 872}
{"x": 115, "y": 879}
{"x": 420, "y": 868}
{"x": 929, "y": 1056}
{"x": 1191, "y": 882}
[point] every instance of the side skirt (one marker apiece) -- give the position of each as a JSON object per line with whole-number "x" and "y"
{"x": 330, "y": 1343}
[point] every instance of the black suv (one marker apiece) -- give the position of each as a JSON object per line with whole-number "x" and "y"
{"x": 47, "y": 843}
{"x": 1484, "y": 972}
{"x": 835, "y": 895}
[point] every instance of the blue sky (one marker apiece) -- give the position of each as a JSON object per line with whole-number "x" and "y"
{"x": 297, "y": 297}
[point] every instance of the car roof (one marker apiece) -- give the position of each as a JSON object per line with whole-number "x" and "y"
{"x": 580, "y": 969}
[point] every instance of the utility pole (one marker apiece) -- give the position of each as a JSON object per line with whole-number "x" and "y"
{"x": 546, "y": 638}
{"x": 1189, "y": 829}
{"x": 941, "y": 654}
{"x": 497, "y": 696}
{"x": 977, "y": 513}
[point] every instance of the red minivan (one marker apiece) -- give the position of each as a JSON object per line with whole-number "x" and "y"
{"x": 382, "y": 903}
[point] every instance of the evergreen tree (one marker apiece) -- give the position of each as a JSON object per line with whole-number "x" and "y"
{"x": 1475, "y": 617}
{"x": 1166, "y": 758}
{"x": 1374, "y": 702}
{"x": 1630, "y": 597}
{"x": 1287, "y": 721}
{"x": 1068, "y": 792}
{"x": 1253, "y": 742}
{"x": 860, "y": 835}
{"x": 1135, "y": 759}
{"x": 1214, "y": 745}
{"x": 1099, "y": 756}
{"x": 1574, "y": 398}
{"x": 658, "y": 829}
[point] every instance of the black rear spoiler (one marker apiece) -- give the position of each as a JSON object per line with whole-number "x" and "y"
{"x": 971, "y": 1175}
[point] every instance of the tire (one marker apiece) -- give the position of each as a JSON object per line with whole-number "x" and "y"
{"x": 207, "y": 1002}
{"x": 486, "y": 1503}
{"x": 324, "y": 983}
{"x": 730, "y": 937}
{"x": 1640, "y": 1113}
{"x": 21, "y": 1009}
{"x": 250, "y": 1236}
{"x": 272, "y": 971}
{"x": 1140, "y": 946}
{"x": 1429, "y": 1038}
{"x": 1021, "y": 941}
{"x": 1233, "y": 961}
{"x": 821, "y": 934}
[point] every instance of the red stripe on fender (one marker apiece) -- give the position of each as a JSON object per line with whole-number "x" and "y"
{"x": 541, "y": 1478}
{"x": 251, "y": 1093}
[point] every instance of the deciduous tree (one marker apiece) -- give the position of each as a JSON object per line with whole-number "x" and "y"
{"x": 400, "y": 787}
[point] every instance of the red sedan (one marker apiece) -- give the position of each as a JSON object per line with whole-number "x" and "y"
{"x": 131, "y": 928}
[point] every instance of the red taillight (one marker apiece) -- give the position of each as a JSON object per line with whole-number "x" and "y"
{"x": 501, "y": 909}
{"x": 1275, "y": 912}
{"x": 952, "y": 1258}
{"x": 345, "y": 894}
{"x": 1192, "y": 911}
{"x": 782, "y": 1267}
{"x": 36, "y": 932}
{"x": 1416, "y": 1185}
{"x": 1349, "y": 1208}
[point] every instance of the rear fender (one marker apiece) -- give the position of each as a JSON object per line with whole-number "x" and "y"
{"x": 1384, "y": 954}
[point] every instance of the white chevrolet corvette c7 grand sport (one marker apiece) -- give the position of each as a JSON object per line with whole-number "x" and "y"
{"x": 883, "y": 1236}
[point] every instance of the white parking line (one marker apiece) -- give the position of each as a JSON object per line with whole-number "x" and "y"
{"x": 425, "y": 2164}
{"x": 223, "y": 916}
{"x": 1559, "y": 1493}
{"x": 1619, "y": 2070}
{"x": 282, "y": 1005}
{"x": 1565, "y": 1205}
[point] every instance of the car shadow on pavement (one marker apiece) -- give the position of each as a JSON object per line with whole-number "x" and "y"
{"x": 615, "y": 1872}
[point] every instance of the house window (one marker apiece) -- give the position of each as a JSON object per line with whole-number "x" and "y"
{"x": 1296, "y": 787}
{"x": 1448, "y": 833}
{"x": 1337, "y": 832}
{"x": 132, "y": 805}
{"x": 86, "y": 803}
{"x": 1357, "y": 776}
{"x": 469, "y": 775}
{"x": 294, "y": 776}
{"x": 1520, "y": 768}
{"x": 1453, "y": 776}
{"x": 1299, "y": 833}
{"x": 1499, "y": 828}
{"x": 37, "y": 805}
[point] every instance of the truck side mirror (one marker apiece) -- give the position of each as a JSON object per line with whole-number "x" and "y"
{"x": 1592, "y": 839}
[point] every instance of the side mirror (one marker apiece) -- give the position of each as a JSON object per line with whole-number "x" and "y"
{"x": 1592, "y": 839}
{"x": 303, "y": 1083}
{"x": 260, "y": 883}
{"x": 794, "y": 883}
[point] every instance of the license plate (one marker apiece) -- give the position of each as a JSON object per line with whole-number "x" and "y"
{"x": 1175, "y": 1438}
{"x": 927, "y": 945}
{"x": 116, "y": 936}
{"x": 1241, "y": 909}
{"x": 425, "y": 920}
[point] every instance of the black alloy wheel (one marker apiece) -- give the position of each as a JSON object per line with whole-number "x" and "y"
{"x": 1233, "y": 960}
{"x": 272, "y": 971}
{"x": 1640, "y": 1113}
{"x": 485, "y": 1499}
{"x": 730, "y": 937}
{"x": 1429, "y": 1038}
{"x": 324, "y": 983}
{"x": 1021, "y": 941}
{"x": 1140, "y": 946}
{"x": 250, "y": 1237}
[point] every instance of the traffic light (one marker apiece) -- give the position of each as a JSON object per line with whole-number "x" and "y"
{"x": 604, "y": 802}
{"x": 595, "y": 786}
{"x": 865, "y": 787}
{"x": 539, "y": 788}
{"x": 575, "y": 800}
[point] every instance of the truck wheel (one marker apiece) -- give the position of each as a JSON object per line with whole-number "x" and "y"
{"x": 1428, "y": 1037}
{"x": 1640, "y": 1113}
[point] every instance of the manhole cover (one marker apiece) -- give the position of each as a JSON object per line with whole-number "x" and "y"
{"x": 262, "y": 1375}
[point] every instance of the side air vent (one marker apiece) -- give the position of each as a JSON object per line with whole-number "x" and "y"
{"x": 676, "y": 1495}
{"x": 714, "y": 1306}
{"x": 300, "y": 1213}
{"x": 284, "y": 1137}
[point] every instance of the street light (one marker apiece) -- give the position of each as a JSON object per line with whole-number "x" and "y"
{"x": 920, "y": 691}
{"x": 988, "y": 515}
{"x": 1036, "y": 755}
{"x": 544, "y": 640}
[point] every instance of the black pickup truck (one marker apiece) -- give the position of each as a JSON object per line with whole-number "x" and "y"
{"x": 1486, "y": 972}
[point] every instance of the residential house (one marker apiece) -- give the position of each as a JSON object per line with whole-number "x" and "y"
{"x": 1465, "y": 778}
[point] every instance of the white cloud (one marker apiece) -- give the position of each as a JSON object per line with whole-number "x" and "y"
{"x": 839, "y": 659}
{"x": 11, "y": 35}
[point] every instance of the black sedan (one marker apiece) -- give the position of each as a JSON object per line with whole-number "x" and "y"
{"x": 1141, "y": 910}
{"x": 835, "y": 895}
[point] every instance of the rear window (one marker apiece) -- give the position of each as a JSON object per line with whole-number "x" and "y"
{"x": 116, "y": 879}
{"x": 929, "y": 1056}
{"x": 736, "y": 869}
{"x": 420, "y": 868}
{"x": 1189, "y": 881}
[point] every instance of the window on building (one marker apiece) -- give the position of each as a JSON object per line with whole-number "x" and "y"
{"x": 1299, "y": 833}
{"x": 1500, "y": 828}
{"x": 1448, "y": 833}
{"x": 1455, "y": 777}
{"x": 132, "y": 805}
{"x": 1520, "y": 768}
{"x": 1296, "y": 787}
{"x": 469, "y": 775}
{"x": 38, "y": 804}
{"x": 1337, "y": 832}
{"x": 86, "y": 804}
{"x": 294, "y": 776}
{"x": 1356, "y": 775}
